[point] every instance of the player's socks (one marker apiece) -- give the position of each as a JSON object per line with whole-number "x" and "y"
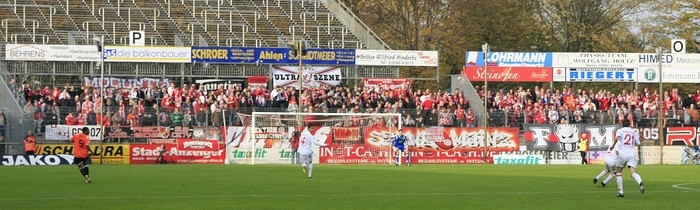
{"x": 604, "y": 182}
{"x": 398, "y": 158}
{"x": 637, "y": 178}
{"x": 600, "y": 175}
{"x": 619, "y": 184}
{"x": 408, "y": 159}
{"x": 311, "y": 169}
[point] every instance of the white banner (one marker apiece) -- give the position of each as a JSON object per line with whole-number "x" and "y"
{"x": 148, "y": 54}
{"x": 37, "y": 52}
{"x": 676, "y": 68}
{"x": 595, "y": 60}
{"x": 126, "y": 83}
{"x": 65, "y": 132}
{"x": 518, "y": 159}
{"x": 273, "y": 150}
{"x": 601, "y": 75}
{"x": 313, "y": 76}
{"x": 395, "y": 58}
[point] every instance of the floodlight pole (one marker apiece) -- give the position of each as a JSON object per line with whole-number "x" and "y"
{"x": 659, "y": 54}
{"x": 485, "y": 49}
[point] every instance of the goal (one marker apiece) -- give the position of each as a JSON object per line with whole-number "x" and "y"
{"x": 353, "y": 138}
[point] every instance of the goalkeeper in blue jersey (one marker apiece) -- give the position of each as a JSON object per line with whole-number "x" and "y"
{"x": 399, "y": 144}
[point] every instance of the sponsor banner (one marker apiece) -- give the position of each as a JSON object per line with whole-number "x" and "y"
{"x": 258, "y": 81}
{"x": 508, "y": 74}
{"x": 601, "y": 75}
{"x": 595, "y": 60}
{"x": 111, "y": 153}
{"x": 510, "y": 59}
{"x": 670, "y": 74}
{"x": 197, "y": 145}
{"x": 346, "y": 134}
{"x": 689, "y": 155}
{"x": 368, "y": 154}
{"x": 37, "y": 52}
{"x": 312, "y": 76}
{"x": 564, "y": 137}
{"x": 270, "y": 55}
{"x": 263, "y": 156}
{"x": 387, "y": 83}
{"x": 147, "y": 54}
{"x": 162, "y": 141}
{"x": 150, "y": 154}
{"x": 550, "y": 157}
{"x": 213, "y": 84}
{"x": 126, "y": 83}
{"x": 159, "y": 132}
{"x": 65, "y": 132}
{"x": 598, "y": 157}
{"x": 672, "y": 155}
{"x": 271, "y": 144}
{"x": 518, "y": 159}
{"x": 449, "y": 145}
{"x": 499, "y": 139}
{"x": 676, "y": 68}
{"x": 559, "y": 74}
{"x": 395, "y": 58}
{"x": 36, "y": 160}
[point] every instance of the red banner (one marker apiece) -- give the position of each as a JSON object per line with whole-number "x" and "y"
{"x": 448, "y": 145}
{"x": 387, "y": 83}
{"x": 257, "y": 81}
{"x": 346, "y": 134}
{"x": 149, "y": 153}
{"x": 509, "y": 74}
{"x": 197, "y": 145}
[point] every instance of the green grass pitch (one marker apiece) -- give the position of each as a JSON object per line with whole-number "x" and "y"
{"x": 343, "y": 187}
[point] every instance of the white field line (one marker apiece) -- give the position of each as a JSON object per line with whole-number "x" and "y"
{"x": 680, "y": 186}
{"x": 315, "y": 195}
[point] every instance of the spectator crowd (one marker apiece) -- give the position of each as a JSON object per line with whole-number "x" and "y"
{"x": 193, "y": 105}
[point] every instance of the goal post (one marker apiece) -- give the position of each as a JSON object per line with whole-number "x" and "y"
{"x": 269, "y": 132}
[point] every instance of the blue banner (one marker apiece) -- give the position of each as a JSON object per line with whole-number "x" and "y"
{"x": 510, "y": 59}
{"x": 271, "y": 55}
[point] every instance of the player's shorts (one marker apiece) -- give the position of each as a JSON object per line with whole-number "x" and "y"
{"x": 78, "y": 160}
{"x": 626, "y": 160}
{"x": 306, "y": 158}
{"x": 610, "y": 163}
{"x": 400, "y": 148}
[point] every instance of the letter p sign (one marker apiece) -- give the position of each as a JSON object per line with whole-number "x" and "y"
{"x": 137, "y": 38}
{"x": 677, "y": 45}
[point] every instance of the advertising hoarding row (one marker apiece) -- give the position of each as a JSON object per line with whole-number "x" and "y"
{"x": 544, "y": 144}
{"x": 582, "y": 67}
{"x": 220, "y": 54}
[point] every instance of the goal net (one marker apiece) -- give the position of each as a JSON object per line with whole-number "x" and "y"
{"x": 352, "y": 138}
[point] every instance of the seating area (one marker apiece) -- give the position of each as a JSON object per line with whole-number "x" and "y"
{"x": 193, "y": 105}
{"x": 254, "y": 23}
{"x": 197, "y": 105}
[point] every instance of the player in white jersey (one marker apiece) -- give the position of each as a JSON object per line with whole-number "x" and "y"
{"x": 305, "y": 152}
{"x": 610, "y": 168}
{"x": 628, "y": 139}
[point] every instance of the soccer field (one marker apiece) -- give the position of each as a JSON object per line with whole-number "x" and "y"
{"x": 343, "y": 187}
